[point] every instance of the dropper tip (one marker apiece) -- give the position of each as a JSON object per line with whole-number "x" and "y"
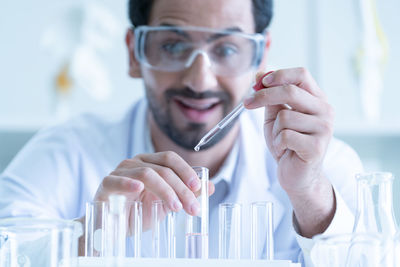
{"x": 197, "y": 148}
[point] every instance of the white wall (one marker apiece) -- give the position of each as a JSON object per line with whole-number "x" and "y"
{"x": 321, "y": 35}
{"x": 27, "y": 69}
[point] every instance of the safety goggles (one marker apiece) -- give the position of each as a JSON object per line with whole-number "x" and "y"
{"x": 173, "y": 49}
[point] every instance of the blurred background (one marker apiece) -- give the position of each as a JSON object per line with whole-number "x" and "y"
{"x": 61, "y": 58}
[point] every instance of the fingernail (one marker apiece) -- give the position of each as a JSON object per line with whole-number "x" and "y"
{"x": 177, "y": 205}
{"x": 195, "y": 208}
{"x": 248, "y": 100}
{"x": 194, "y": 184}
{"x": 267, "y": 79}
{"x": 137, "y": 186}
{"x": 259, "y": 85}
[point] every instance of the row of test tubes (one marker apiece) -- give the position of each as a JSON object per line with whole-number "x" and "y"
{"x": 114, "y": 228}
{"x": 230, "y": 233}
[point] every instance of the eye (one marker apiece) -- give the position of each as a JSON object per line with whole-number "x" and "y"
{"x": 226, "y": 50}
{"x": 174, "y": 48}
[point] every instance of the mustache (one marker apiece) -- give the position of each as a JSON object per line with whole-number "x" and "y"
{"x": 189, "y": 93}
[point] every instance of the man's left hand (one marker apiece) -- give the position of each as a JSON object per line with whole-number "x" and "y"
{"x": 298, "y": 127}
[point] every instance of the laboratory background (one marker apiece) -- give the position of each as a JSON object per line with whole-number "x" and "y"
{"x": 61, "y": 58}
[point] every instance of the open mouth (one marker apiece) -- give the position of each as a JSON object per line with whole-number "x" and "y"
{"x": 198, "y": 110}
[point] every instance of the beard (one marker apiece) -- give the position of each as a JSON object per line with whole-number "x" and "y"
{"x": 188, "y": 136}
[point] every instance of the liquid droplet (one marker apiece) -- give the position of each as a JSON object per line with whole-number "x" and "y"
{"x": 196, "y": 148}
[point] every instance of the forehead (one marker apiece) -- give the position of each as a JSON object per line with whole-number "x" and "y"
{"x": 216, "y": 14}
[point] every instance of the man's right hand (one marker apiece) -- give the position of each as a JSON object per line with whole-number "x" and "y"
{"x": 159, "y": 176}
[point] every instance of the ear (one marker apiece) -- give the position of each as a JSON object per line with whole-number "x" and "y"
{"x": 134, "y": 65}
{"x": 263, "y": 64}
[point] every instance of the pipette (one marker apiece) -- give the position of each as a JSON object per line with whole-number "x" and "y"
{"x": 221, "y": 125}
{"x": 228, "y": 118}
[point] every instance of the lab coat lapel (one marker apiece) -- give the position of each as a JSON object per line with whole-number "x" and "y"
{"x": 140, "y": 132}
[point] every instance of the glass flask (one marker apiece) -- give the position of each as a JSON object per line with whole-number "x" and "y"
{"x": 26, "y": 242}
{"x": 375, "y": 204}
{"x": 375, "y": 212}
{"x": 396, "y": 256}
{"x": 348, "y": 250}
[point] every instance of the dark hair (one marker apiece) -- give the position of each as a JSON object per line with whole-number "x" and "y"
{"x": 139, "y": 12}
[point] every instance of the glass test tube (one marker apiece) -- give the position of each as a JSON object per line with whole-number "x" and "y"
{"x": 163, "y": 234}
{"x": 197, "y": 226}
{"x": 230, "y": 230}
{"x": 171, "y": 235}
{"x": 98, "y": 232}
{"x": 95, "y": 228}
{"x": 262, "y": 231}
{"x": 134, "y": 209}
{"x": 116, "y": 226}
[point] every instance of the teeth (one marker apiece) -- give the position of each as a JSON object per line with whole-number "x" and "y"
{"x": 198, "y": 106}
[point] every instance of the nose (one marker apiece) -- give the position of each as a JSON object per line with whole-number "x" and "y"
{"x": 194, "y": 55}
{"x": 198, "y": 75}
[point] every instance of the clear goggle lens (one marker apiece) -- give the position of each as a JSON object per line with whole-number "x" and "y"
{"x": 173, "y": 49}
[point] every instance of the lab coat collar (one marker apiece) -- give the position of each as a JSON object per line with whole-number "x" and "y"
{"x": 228, "y": 168}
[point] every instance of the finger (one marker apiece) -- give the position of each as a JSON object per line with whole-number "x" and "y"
{"x": 119, "y": 185}
{"x": 307, "y": 147}
{"x": 177, "y": 184}
{"x": 154, "y": 183}
{"x": 297, "y": 98}
{"x": 211, "y": 190}
{"x": 173, "y": 161}
{"x": 259, "y": 77}
{"x": 185, "y": 195}
{"x": 299, "y": 122}
{"x": 300, "y": 77}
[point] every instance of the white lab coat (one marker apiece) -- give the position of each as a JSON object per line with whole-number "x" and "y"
{"x": 61, "y": 167}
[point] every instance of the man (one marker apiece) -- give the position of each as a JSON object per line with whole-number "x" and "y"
{"x": 198, "y": 60}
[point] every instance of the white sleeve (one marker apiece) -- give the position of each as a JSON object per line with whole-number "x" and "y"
{"x": 342, "y": 222}
{"x": 340, "y": 166}
{"x": 42, "y": 180}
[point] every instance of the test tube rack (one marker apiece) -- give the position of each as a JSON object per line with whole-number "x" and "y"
{"x": 151, "y": 262}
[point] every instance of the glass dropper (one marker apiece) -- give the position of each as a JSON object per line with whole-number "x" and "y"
{"x": 220, "y": 126}
{"x": 228, "y": 118}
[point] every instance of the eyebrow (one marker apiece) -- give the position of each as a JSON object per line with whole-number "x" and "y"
{"x": 212, "y": 37}
{"x": 220, "y": 35}
{"x": 177, "y": 31}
